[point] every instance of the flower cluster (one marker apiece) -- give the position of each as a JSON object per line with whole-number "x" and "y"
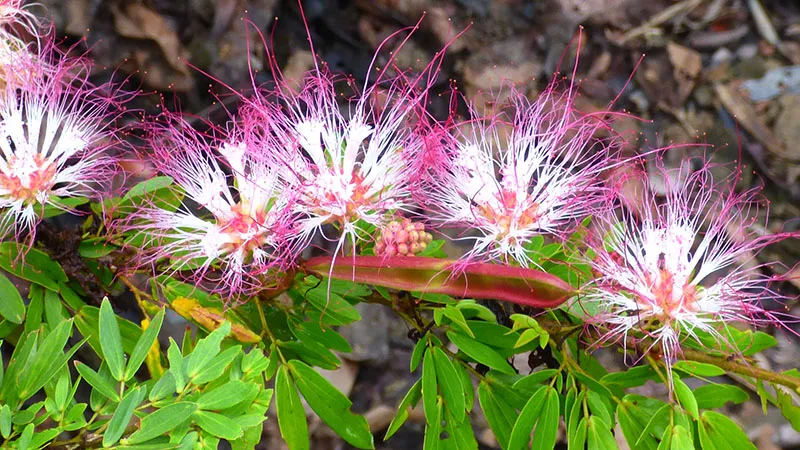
{"x": 56, "y": 129}
{"x": 681, "y": 266}
{"x": 241, "y": 223}
{"x": 510, "y": 181}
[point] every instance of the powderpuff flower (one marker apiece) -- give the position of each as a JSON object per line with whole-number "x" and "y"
{"x": 347, "y": 169}
{"x": 509, "y": 182}
{"x": 243, "y": 226}
{"x": 56, "y": 130}
{"x": 681, "y": 266}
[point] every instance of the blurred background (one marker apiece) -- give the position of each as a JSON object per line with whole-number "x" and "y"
{"x": 719, "y": 72}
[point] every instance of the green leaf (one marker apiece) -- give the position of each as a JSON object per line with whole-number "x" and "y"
{"x": 161, "y": 421}
{"x": 143, "y": 345}
{"x": 11, "y": 306}
{"x": 95, "y": 380}
{"x": 122, "y": 415}
{"x": 5, "y": 421}
{"x": 403, "y": 410}
{"x": 416, "y": 354}
{"x": 206, "y": 349}
{"x": 531, "y": 383}
{"x": 429, "y": 387}
{"x": 164, "y": 386}
{"x": 633, "y": 377}
{"x": 480, "y": 352}
{"x": 681, "y": 439}
{"x": 499, "y": 414}
{"x": 48, "y": 361}
{"x": 686, "y": 397}
{"x": 655, "y": 426}
{"x": 331, "y": 405}
{"x": 94, "y": 248}
{"x": 218, "y": 365}
{"x": 111, "y": 341}
{"x": 634, "y": 413}
{"x": 177, "y": 365}
{"x": 521, "y": 432}
{"x": 698, "y": 369}
{"x": 544, "y": 437}
{"x": 599, "y": 436}
{"x": 88, "y": 323}
{"x": 227, "y": 395}
{"x": 218, "y": 425}
{"x": 457, "y": 317}
{"x": 291, "y": 415}
{"x": 31, "y": 264}
{"x": 714, "y": 396}
{"x": 450, "y": 383}
{"x": 433, "y": 430}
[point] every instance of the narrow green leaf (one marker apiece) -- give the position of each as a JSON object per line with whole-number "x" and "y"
{"x": 331, "y": 405}
{"x": 111, "y": 341}
{"x": 409, "y": 401}
{"x": 698, "y": 369}
{"x": 532, "y": 382}
{"x": 31, "y": 264}
{"x": 227, "y": 395}
{"x": 218, "y": 365}
{"x": 164, "y": 387}
{"x": 655, "y": 426}
{"x": 24, "y": 440}
{"x": 681, "y": 439}
{"x": 576, "y": 440}
{"x": 462, "y": 436}
{"x": 686, "y": 397}
{"x": 206, "y": 349}
{"x": 416, "y": 354}
{"x": 546, "y": 432}
{"x": 450, "y": 383}
{"x": 499, "y": 414}
{"x": 433, "y": 430}
{"x": 218, "y": 425}
{"x": 177, "y": 365}
{"x": 599, "y": 435}
{"x": 49, "y": 359}
{"x": 714, "y": 396}
{"x": 521, "y": 432}
{"x": 717, "y": 431}
{"x": 122, "y": 416}
{"x": 143, "y": 345}
{"x": 5, "y": 421}
{"x": 95, "y": 380}
{"x": 11, "y": 306}
{"x": 429, "y": 387}
{"x": 480, "y": 352}
{"x": 161, "y": 421}
{"x": 291, "y": 415}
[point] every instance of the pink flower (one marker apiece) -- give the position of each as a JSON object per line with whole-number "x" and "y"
{"x": 242, "y": 227}
{"x": 508, "y": 182}
{"x": 683, "y": 266}
{"x": 347, "y": 169}
{"x": 56, "y": 130}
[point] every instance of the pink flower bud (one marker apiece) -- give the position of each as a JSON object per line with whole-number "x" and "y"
{"x": 414, "y": 236}
{"x": 402, "y": 249}
{"x": 402, "y": 236}
{"x": 415, "y": 248}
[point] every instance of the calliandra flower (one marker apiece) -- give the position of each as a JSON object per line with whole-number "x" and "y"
{"x": 240, "y": 235}
{"x": 348, "y": 169}
{"x": 15, "y": 55}
{"x": 55, "y": 133}
{"x": 681, "y": 266}
{"x": 537, "y": 174}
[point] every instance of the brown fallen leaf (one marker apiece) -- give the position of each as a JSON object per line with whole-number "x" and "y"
{"x": 137, "y": 21}
{"x": 686, "y": 66}
{"x": 742, "y": 110}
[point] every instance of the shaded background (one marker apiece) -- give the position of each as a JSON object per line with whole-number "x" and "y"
{"x": 707, "y": 61}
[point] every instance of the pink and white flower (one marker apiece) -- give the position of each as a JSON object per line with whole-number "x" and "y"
{"x": 681, "y": 266}
{"x": 243, "y": 227}
{"x": 56, "y": 130}
{"x": 539, "y": 177}
{"x": 347, "y": 169}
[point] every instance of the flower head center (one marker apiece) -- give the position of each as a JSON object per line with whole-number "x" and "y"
{"x": 27, "y": 177}
{"x": 244, "y": 231}
{"x": 508, "y": 214}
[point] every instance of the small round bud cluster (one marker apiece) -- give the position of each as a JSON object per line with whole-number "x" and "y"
{"x": 404, "y": 238}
